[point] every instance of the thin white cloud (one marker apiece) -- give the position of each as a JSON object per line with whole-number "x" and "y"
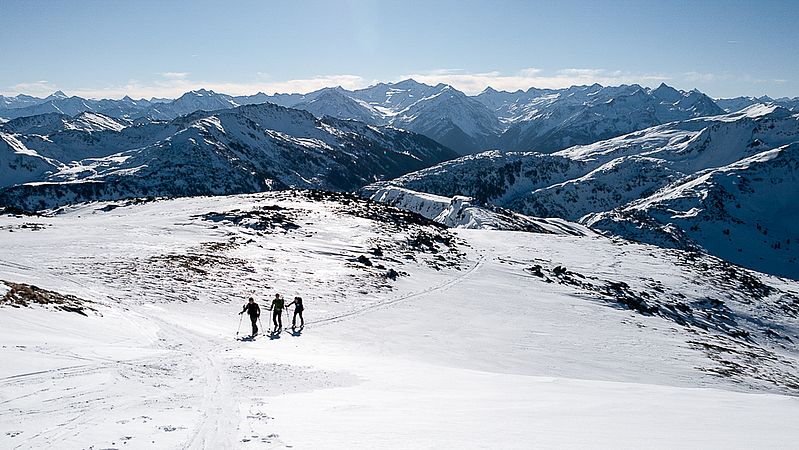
{"x": 311, "y": 84}
{"x": 586, "y": 73}
{"x": 530, "y": 72}
{"x": 36, "y": 88}
{"x": 175, "y": 75}
{"x": 701, "y": 77}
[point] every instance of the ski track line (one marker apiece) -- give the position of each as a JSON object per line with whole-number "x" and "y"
{"x": 97, "y": 363}
{"x": 85, "y": 416}
{"x": 22, "y": 376}
{"x": 15, "y": 265}
{"x": 219, "y": 413}
{"x": 446, "y": 285}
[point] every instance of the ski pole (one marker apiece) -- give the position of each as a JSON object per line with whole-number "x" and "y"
{"x": 241, "y": 316}
{"x": 259, "y": 323}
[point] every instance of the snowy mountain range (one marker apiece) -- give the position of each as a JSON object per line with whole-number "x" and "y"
{"x": 542, "y": 120}
{"x": 51, "y": 160}
{"x": 125, "y": 108}
{"x": 726, "y": 184}
{"x": 537, "y": 119}
{"x": 739, "y": 103}
{"x": 554, "y": 120}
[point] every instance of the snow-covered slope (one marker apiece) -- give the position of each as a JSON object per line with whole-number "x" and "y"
{"x": 462, "y": 212}
{"x": 199, "y": 100}
{"x": 59, "y": 104}
{"x": 89, "y": 121}
{"x": 536, "y": 119}
{"x": 618, "y": 172}
{"x": 392, "y": 98}
{"x": 20, "y": 101}
{"x": 334, "y": 102}
{"x": 20, "y": 164}
{"x": 492, "y": 177}
{"x": 439, "y": 112}
{"x": 745, "y": 212}
{"x": 43, "y": 124}
{"x": 665, "y": 103}
{"x": 47, "y": 124}
{"x": 246, "y": 149}
{"x": 586, "y": 114}
{"x": 416, "y": 336}
{"x": 127, "y": 107}
{"x": 452, "y": 118}
{"x": 739, "y": 103}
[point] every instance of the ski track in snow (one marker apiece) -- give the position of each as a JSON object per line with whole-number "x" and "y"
{"x": 216, "y": 401}
{"x": 443, "y": 286}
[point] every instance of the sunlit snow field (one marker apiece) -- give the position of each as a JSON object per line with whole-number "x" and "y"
{"x": 466, "y": 348}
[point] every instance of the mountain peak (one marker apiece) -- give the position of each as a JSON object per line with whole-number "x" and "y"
{"x": 410, "y": 82}
{"x": 201, "y": 92}
{"x": 57, "y": 95}
{"x": 664, "y": 88}
{"x": 332, "y": 92}
{"x": 667, "y": 93}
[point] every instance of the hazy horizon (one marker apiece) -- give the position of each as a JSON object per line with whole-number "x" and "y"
{"x": 199, "y": 88}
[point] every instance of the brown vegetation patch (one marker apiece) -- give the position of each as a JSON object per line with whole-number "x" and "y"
{"x": 25, "y": 295}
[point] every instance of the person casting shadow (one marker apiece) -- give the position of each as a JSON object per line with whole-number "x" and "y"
{"x": 254, "y": 311}
{"x": 298, "y": 309}
{"x": 277, "y": 310}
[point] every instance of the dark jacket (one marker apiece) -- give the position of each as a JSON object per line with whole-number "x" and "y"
{"x": 252, "y": 309}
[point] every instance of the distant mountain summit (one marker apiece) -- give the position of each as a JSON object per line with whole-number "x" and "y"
{"x": 335, "y": 102}
{"x": 57, "y": 95}
{"x": 550, "y": 120}
{"x": 739, "y": 103}
{"x": 51, "y": 160}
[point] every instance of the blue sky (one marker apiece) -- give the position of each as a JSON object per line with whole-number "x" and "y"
{"x": 164, "y": 48}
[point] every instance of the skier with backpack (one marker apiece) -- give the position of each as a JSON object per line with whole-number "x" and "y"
{"x": 298, "y": 309}
{"x": 277, "y": 310}
{"x": 254, "y": 312}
